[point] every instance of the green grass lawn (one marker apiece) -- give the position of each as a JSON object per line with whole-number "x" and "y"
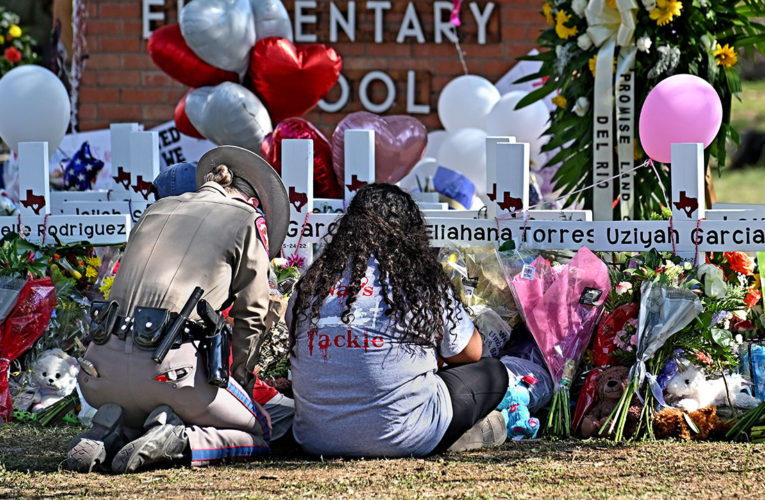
{"x": 745, "y": 185}
{"x": 31, "y": 462}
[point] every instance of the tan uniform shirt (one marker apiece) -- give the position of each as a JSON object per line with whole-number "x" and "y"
{"x": 199, "y": 239}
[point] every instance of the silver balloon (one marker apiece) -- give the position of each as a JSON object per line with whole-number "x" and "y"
{"x": 220, "y": 32}
{"x": 229, "y": 114}
{"x": 271, "y": 19}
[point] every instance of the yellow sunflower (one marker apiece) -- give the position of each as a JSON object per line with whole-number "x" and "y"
{"x": 547, "y": 11}
{"x": 559, "y": 101}
{"x": 665, "y": 11}
{"x": 726, "y": 55}
{"x": 563, "y": 31}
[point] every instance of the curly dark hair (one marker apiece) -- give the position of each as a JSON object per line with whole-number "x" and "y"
{"x": 382, "y": 221}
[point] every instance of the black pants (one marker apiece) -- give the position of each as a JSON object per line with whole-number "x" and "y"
{"x": 475, "y": 390}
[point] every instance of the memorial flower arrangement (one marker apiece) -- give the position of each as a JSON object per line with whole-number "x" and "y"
{"x": 657, "y": 39}
{"x": 16, "y": 46}
{"x": 700, "y": 313}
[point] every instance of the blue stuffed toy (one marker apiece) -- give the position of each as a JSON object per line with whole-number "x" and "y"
{"x": 515, "y": 408}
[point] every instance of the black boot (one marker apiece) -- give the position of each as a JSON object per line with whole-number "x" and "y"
{"x": 165, "y": 441}
{"x": 96, "y": 447}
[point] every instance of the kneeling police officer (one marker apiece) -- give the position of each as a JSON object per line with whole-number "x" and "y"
{"x": 157, "y": 365}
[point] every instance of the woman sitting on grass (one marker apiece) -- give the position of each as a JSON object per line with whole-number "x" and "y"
{"x": 369, "y": 323}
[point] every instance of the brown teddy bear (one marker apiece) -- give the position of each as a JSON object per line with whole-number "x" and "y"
{"x": 673, "y": 423}
{"x": 610, "y": 386}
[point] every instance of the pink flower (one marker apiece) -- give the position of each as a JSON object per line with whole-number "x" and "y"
{"x": 623, "y": 287}
{"x": 633, "y": 339}
{"x": 295, "y": 260}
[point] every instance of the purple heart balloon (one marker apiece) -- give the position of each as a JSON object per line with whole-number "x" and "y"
{"x": 399, "y": 143}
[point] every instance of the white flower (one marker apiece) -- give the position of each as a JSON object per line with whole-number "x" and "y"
{"x": 704, "y": 3}
{"x": 584, "y": 42}
{"x": 582, "y": 106}
{"x": 279, "y": 262}
{"x": 644, "y": 44}
{"x": 739, "y": 338}
{"x": 623, "y": 287}
{"x": 714, "y": 281}
{"x": 649, "y": 4}
{"x": 578, "y": 6}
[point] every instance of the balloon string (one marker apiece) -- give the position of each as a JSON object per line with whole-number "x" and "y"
{"x": 460, "y": 54}
{"x": 591, "y": 186}
{"x": 672, "y": 236}
{"x": 45, "y": 228}
{"x": 696, "y": 254}
{"x": 661, "y": 184}
{"x": 302, "y": 230}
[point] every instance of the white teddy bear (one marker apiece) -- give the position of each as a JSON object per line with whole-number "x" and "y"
{"x": 55, "y": 376}
{"x": 691, "y": 390}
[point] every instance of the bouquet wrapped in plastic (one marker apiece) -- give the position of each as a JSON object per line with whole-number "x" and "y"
{"x": 604, "y": 350}
{"x": 561, "y": 306}
{"x": 25, "y": 324}
{"x": 664, "y": 311}
{"x": 479, "y": 279}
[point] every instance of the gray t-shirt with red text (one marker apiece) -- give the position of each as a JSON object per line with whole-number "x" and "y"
{"x": 358, "y": 390}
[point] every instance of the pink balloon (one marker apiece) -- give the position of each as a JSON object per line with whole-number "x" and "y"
{"x": 399, "y": 143}
{"x": 681, "y": 108}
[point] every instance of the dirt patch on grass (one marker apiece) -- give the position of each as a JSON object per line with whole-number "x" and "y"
{"x": 31, "y": 459}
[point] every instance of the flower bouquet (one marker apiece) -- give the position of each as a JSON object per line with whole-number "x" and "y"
{"x": 561, "y": 306}
{"x": 21, "y": 329}
{"x": 664, "y": 311}
{"x": 652, "y": 38}
{"x": 16, "y": 46}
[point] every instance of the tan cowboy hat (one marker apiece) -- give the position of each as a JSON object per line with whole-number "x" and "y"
{"x": 263, "y": 178}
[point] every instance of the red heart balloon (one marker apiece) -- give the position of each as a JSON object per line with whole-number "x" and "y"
{"x": 291, "y": 79}
{"x": 169, "y": 51}
{"x": 182, "y": 122}
{"x": 324, "y": 183}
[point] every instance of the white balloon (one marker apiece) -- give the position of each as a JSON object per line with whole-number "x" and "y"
{"x": 466, "y": 101}
{"x": 34, "y": 106}
{"x": 229, "y": 114}
{"x": 526, "y": 124}
{"x": 464, "y": 150}
{"x": 417, "y": 178}
{"x": 220, "y": 32}
{"x": 435, "y": 140}
{"x": 271, "y": 19}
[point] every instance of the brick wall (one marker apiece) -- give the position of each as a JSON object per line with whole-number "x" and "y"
{"x": 120, "y": 82}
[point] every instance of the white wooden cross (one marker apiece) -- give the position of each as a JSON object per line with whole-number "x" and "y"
{"x": 687, "y": 233}
{"x": 35, "y": 222}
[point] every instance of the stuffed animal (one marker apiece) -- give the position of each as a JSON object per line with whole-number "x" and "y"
{"x": 515, "y": 408}
{"x": 675, "y": 423}
{"x": 610, "y": 385}
{"x": 55, "y": 376}
{"x": 690, "y": 390}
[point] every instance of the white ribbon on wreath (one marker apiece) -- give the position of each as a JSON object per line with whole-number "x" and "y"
{"x": 609, "y": 27}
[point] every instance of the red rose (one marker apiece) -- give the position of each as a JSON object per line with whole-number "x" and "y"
{"x": 743, "y": 326}
{"x": 752, "y": 298}
{"x": 13, "y": 55}
{"x": 740, "y": 262}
